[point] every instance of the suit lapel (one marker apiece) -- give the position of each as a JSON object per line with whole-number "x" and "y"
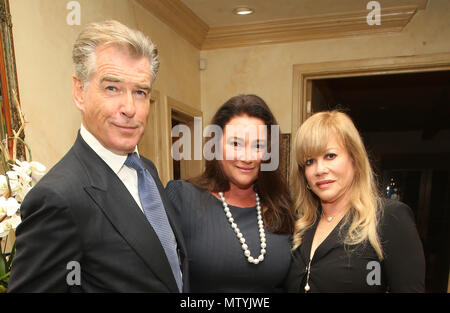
{"x": 114, "y": 199}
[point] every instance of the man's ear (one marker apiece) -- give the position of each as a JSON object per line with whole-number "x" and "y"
{"x": 78, "y": 92}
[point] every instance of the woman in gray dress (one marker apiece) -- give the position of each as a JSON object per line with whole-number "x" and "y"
{"x": 237, "y": 216}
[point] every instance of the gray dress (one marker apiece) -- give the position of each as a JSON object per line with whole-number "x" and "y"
{"x": 216, "y": 259}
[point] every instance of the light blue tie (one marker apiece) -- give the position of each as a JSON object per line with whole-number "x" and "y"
{"x": 154, "y": 211}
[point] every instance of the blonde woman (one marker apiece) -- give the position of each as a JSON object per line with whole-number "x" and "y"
{"x": 346, "y": 238}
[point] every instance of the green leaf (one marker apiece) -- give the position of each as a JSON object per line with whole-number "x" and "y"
{"x": 3, "y": 289}
{"x": 4, "y": 281}
{"x": 11, "y": 257}
{"x": 5, "y": 278}
{"x": 3, "y": 262}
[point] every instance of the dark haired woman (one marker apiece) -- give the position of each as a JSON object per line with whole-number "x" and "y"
{"x": 237, "y": 217}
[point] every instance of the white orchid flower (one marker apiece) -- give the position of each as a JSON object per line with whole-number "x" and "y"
{"x": 3, "y": 203}
{"x": 37, "y": 171}
{"x": 24, "y": 179}
{"x": 2, "y": 213}
{"x": 9, "y": 206}
{"x": 22, "y": 167}
{"x": 22, "y": 192}
{"x": 20, "y": 183}
{"x": 13, "y": 180}
{"x": 21, "y": 172}
{"x": 12, "y": 206}
{"x": 12, "y": 174}
{"x": 29, "y": 171}
{"x": 37, "y": 168}
{"x": 8, "y": 224}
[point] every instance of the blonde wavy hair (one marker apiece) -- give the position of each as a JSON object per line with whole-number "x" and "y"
{"x": 311, "y": 140}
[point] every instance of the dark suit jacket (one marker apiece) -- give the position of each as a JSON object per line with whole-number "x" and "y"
{"x": 81, "y": 211}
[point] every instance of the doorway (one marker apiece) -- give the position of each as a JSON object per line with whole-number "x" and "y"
{"x": 181, "y": 169}
{"x": 183, "y": 114}
{"x": 404, "y": 119}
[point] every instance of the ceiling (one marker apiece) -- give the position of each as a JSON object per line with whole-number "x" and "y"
{"x": 219, "y": 12}
{"x": 210, "y": 24}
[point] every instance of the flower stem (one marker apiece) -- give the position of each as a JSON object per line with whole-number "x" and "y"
{"x": 6, "y": 243}
{"x": 4, "y": 162}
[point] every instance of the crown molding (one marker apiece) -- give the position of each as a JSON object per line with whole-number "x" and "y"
{"x": 188, "y": 25}
{"x": 180, "y": 18}
{"x": 310, "y": 28}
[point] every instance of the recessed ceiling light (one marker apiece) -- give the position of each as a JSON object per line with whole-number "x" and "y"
{"x": 243, "y": 11}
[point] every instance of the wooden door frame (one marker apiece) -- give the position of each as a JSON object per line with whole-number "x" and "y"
{"x": 304, "y": 73}
{"x": 185, "y": 109}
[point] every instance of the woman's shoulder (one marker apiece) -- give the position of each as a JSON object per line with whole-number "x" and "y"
{"x": 177, "y": 184}
{"x": 186, "y": 197}
{"x": 396, "y": 217}
{"x": 395, "y": 210}
{"x": 182, "y": 188}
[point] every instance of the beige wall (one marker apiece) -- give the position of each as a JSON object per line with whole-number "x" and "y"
{"x": 268, "y": 70}
{"x": 43, "y": 43}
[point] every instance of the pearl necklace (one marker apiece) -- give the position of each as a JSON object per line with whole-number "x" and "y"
{"x": 262, "y": 234}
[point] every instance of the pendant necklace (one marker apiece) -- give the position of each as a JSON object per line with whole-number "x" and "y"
{"x": 331, "y": 217}
{"x": 328, "y": 218}
{"x": 308, "y": 271}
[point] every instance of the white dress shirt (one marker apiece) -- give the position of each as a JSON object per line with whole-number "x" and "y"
{"x": 116, "y": 162}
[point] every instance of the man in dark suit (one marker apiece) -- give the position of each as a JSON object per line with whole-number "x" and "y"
{"x": 87, "y": 226}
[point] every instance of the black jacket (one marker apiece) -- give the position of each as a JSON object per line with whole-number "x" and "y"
{"x": 336, "y": 267}
{"x": 81, "y": 211}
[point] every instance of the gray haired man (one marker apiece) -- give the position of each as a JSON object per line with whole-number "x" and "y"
{"x": 99, "y": 221}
